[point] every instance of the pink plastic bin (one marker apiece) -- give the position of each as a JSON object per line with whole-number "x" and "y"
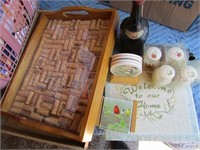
{"x": 15, "y": 22}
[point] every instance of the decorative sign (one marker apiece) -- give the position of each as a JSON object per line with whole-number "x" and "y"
{"x": 116, "y": 114}
{"x": 163, "y": 110}
{"x": 153, "y": 103}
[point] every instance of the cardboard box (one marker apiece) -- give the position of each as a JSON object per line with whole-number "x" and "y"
{"x": 177, "y": 14}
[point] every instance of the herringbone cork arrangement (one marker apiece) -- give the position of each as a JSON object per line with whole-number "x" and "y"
{"x": 56, "y": 87}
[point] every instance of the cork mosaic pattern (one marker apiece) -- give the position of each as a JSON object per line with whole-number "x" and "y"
{"x": 57, "y": 85}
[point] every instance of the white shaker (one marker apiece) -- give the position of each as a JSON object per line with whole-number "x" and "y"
{"x": 163, "y": 75}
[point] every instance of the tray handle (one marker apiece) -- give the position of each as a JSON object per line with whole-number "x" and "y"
{"x": 77, "y": 11}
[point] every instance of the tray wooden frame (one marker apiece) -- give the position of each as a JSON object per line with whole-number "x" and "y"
{"x": 94, "y": 105}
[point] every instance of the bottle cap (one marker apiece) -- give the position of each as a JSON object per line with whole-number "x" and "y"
{"x": 154, "y": 53}
{"x": 140, "y": 2}
{"x": 129, "y": 68}
{"x": 167, "y": 72}
{"x": 176, "y": 53}
{"x": 189, "y": 74}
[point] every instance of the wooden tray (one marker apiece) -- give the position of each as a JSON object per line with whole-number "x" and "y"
{"x": 36, "y": 59}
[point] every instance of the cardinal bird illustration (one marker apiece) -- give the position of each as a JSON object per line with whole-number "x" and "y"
{"x": 116, "y": 109}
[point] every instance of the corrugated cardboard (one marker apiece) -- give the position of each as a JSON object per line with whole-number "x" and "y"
{"x": 177, "y": 14}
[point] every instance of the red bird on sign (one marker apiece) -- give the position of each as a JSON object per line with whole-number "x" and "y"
{"x": 116, "y": 110}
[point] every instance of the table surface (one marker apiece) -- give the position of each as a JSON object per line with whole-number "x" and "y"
{"x": 158, "y": 34}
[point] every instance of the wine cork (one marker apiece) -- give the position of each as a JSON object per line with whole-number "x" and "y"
{"x": 61, "y": 96}
{"x": 77, "y": 86}
{"x": 75, "y": 123}
{"x": 38, "y": 91}
{"x": 69, "y": 80}
{"x": 56, "y": 55}
{"x": 72, "y": 24}
{"x": 31, "y": 80}
{"x": 61, "y": 107}
{"x": 36, "y": 116}
{"x": 79, "y": 35}
{"x": 22, "y": 93}
{"x": 60, "y": 32}
{"x": 72, "y": 56}
{"x": 93, "y": 24}
{"x": 48, "y": 41}
{"x": 46, "y": 105}
{"x": 49, "y": 24}
{"x": 39, "y": 62}
{"x": 56, "y": 84}
{"x": 51, "y": 83}
{"x": 81, "y": 109}
{"x": 28, "y": 108}
{"x": 80, "y": 125}
{"x": 85, "y": 34}
{"x": 39, "y": 100}
{"x": 77, "y": 24}
{"x": 75, "y": 92}
{"x": 20, "y": 98}
{"x": 71, "y": 41}
{"x": 52, "y": 121}
{"x": 41, "y": 85}
{"x": 55, "y": 107}
{"x": 50, "y": 62}
{"x": 53, "y": 25}
{"x": 25, "y": 113}
{"x": 52, "y": 54}
{"x": 63, "y": 90}
{"x": 15, "y": 110}
{"x": 92, "y": 44}
{"x": 56, "y": 47}
{"x": 67, "y": 114}
{"x": 64, "y": 122}
{"x": 97, "y": 27}
{"x": 43, "y": 111}
{"x": 34, "y": 99}
{"x": 56, "y": 74}
{"x": 83, "y": 101}
{"x": 18, "y": 104}
{"x": 74, "y": 105}
{"x": 54, "y": 36}
{"x": 49, "y": 68}
{"x": 70, "y": 101}
{"x": 58, "y": 64}
{"x": 48, "y": 99}
{"x": 63, "y": 65}
{"x": 30, "y": 95}
{"x": 36, "y": 79}
{"x": 49, "y": 93}
{"x": 66, "y": 44}
{"x": 78, "y": 75}
{"x": 47, "y": 77}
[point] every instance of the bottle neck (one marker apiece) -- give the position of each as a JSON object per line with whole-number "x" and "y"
{"x": 136, "y": 13}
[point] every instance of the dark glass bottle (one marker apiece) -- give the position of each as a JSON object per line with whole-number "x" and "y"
{"x": 134, "y": 30}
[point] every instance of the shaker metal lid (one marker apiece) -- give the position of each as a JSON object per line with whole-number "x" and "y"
{"x": 176, "y": 53}
{"x": 167, "y": 72}
{"x": 154, "y": 53}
